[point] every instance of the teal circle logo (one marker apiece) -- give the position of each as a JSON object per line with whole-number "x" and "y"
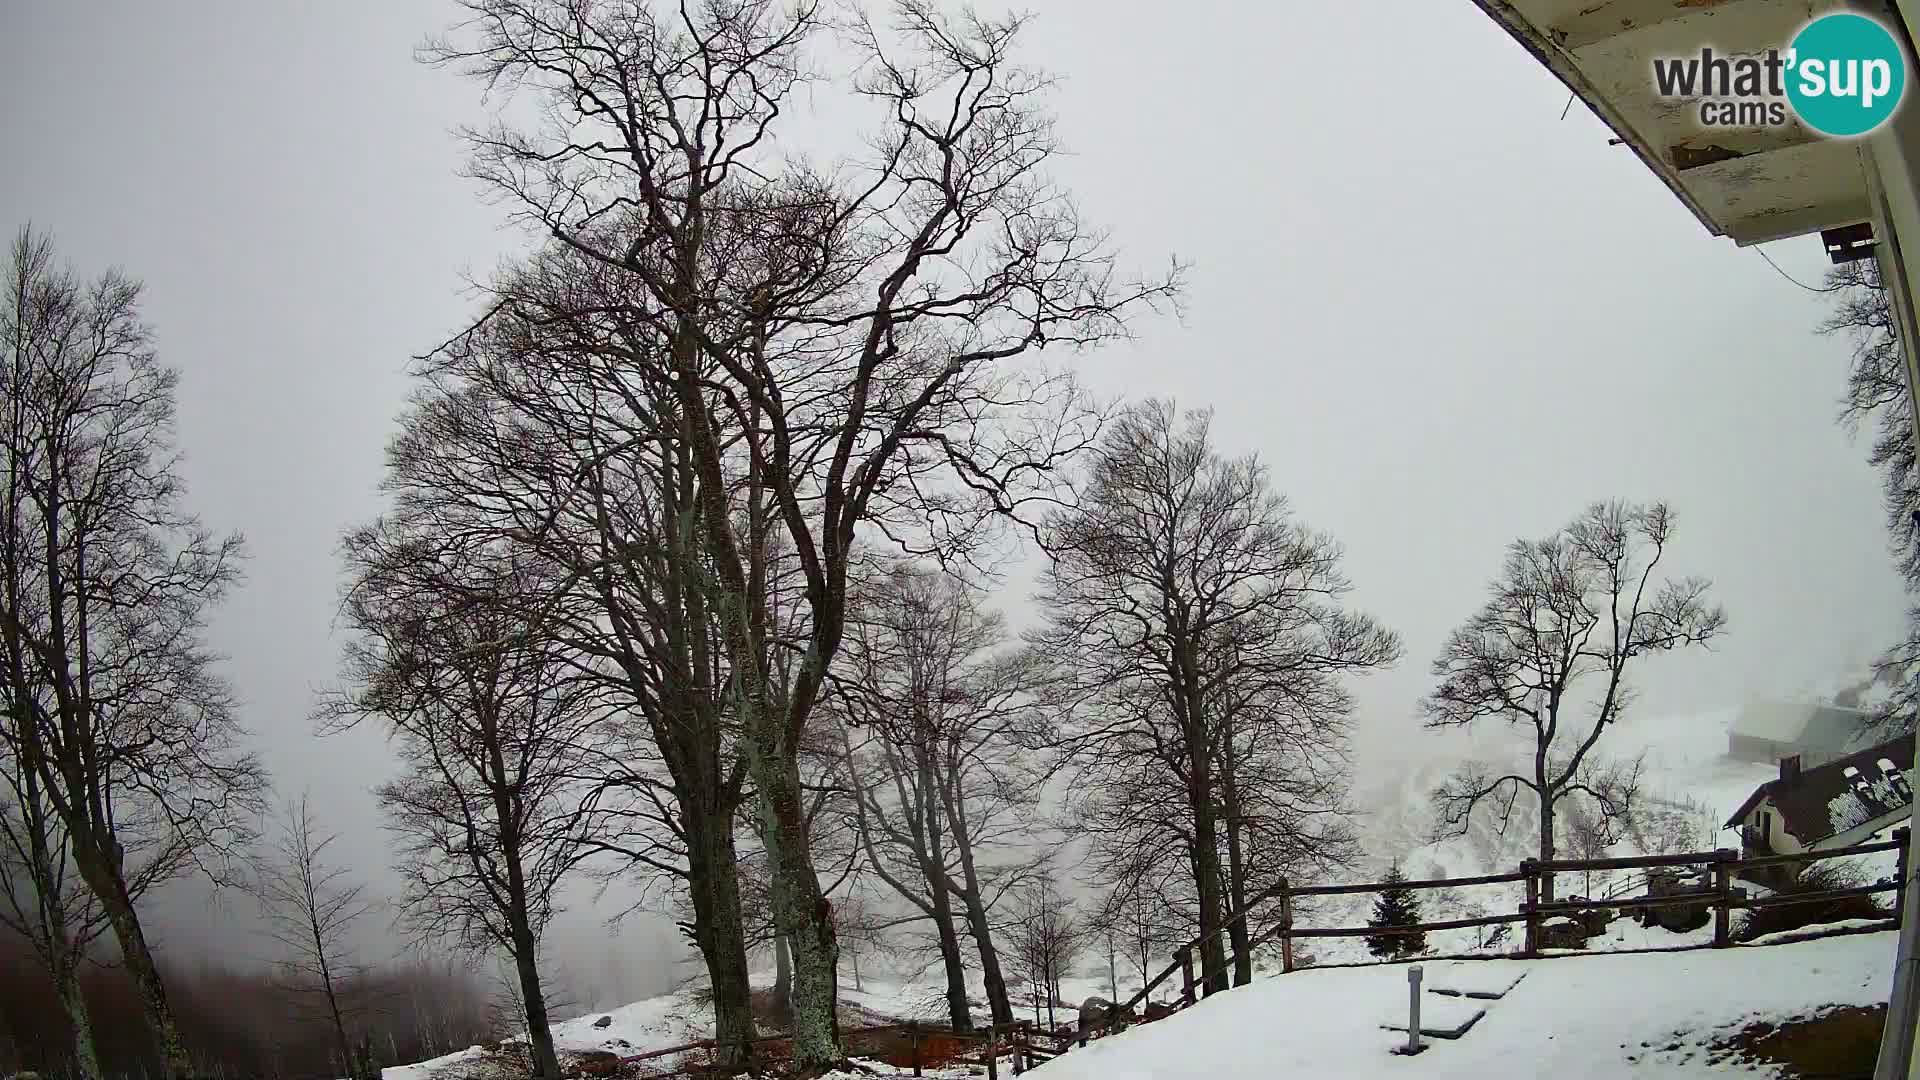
{"x": 1845, "y": 74}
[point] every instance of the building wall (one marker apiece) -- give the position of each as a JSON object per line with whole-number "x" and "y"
{"x": 1779, "y": 840}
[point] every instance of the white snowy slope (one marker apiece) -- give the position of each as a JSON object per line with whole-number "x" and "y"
{"x": 1576, "y": 1018}
{"x": 656, "y": 1023}
{"x": 680, "y": 1018}
{"x": 1685, "y": 776}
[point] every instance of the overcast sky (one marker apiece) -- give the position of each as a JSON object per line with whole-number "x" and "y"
{"x": 1444, "y": 315}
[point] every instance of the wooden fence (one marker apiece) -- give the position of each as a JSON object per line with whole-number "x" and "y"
{"x": 916, "y": 1045}
{"x": 1720, "y": 896}
{"x": 1025, "y": 1045}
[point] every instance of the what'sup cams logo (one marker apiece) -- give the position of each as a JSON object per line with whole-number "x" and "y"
{"x": 1842, "y": 75}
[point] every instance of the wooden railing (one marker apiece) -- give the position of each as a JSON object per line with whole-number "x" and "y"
{"x": 1724, "y": 866}
{"x": 1021, "y": 1042}
{"x": 1027, "y": 1045}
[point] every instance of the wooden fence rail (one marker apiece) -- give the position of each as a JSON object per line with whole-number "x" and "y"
{"x": 1019, "y": 1041}
{"x": 1721, "y": 897}
{"x": 1027, "y": 1046}
{"x": 1429, "y": 883}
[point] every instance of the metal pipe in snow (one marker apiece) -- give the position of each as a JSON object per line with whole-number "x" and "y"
{"x": 1413, "y": 1009}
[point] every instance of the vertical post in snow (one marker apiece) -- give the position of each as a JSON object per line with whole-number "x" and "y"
{"x": 1286, "y": 927}
{"x": 914, "y": 1031}
{"x": 1186, "y": 976}
{"x": 993, "y": 1050}
{"x": 1723, "y": 906}
{"x": 1413, "y": 1009}
{"x": 1532, "y": 910}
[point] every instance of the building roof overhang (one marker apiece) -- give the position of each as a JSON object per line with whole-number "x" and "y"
{"x": 1751, "y": 184}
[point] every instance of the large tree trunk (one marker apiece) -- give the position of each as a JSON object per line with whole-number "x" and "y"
{"x": 1546, "y": 847}
{"x": 957, "y": 1011}
{"x": 1213, "y": 953}
{"x": 1543, "y": 787}
{"x": 1206, "y": 866}
{"x": 939, "y": 891}
{"x": 990, "y": 974}
{"x": 63, "y": 960}
{"x": 714, "y": 882}
{"x": 339, "y": 1022}
{"x": 800, "y": 911}
{"x": 976, "y": 911}
{"x": 1237, "y": 934}
{"x": 1113, "y": 973}
{"x": 1236, "y": 870}
{"x": 783, "y": 973}
{"x": 546, "y": 1062}
{"x": 102, "y": 876}
{"x": 86, "y": 1061}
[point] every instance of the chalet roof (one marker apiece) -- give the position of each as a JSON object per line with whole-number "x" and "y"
{"x": 1822, "y": 727}
{"x": 1832, "y": 798}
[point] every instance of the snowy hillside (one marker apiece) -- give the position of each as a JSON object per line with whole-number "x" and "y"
{"x": 682, "y": 1017}
{"x": 670, "y": 1020}
{"x": 1689, "y": 787}
{"x": 1685, "y": 762}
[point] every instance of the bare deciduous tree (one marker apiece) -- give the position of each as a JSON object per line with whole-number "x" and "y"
{"x": 1137, "y": 916}
{"x": 1574, "y": 608}
{"x": 311, "y": 908}
{"x": 1048, "y": 936}
{"x": 41, "y": 900}
{"x": 521, "y": 438}
{"x": 862, "y": 928}
{"x": 107, "y": 579}
{"x": 489, "y": 720}
{"x": 1187, "y": 610}
{"x": 945, "y": 804}
{"x": 1877, "y": 400}
{"x": 847, "y": 334}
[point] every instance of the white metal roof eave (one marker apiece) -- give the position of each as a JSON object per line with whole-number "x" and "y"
{"x": 1818, "y": 190}
{"x": 1530, "y": 37}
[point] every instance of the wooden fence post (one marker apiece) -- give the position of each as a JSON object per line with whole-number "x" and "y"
{"x": 1286, "y": 927}
{"x": 1532, "y": 908}
{"x": 1723, "y": 906}
{"x": 1186, "y": 976}
{"x": 993, "y": 1050}
{"x": 1900, "y": 894}
{"x": 913, "y": 1031}
{"x": 1018, "y": 1037}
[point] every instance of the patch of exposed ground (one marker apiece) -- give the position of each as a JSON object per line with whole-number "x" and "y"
{"x": 1832, "y": 1044}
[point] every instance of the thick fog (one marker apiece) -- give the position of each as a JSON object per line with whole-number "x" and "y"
{"x": 1446, "y": 316}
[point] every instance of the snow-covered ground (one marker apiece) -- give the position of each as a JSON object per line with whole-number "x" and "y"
{"x": 655, "y": 1023}
{"x": 1685, "y": 773}
{"x": 1641, "y": 1015}
{"x": 1686, "y": 777}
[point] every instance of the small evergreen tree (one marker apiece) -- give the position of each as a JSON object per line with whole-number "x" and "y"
{"x": 1395, "y": 906}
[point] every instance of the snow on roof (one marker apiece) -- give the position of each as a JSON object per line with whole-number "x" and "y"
{"x": 1819, "y": 727}
{"x": 1840, "y": 795}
